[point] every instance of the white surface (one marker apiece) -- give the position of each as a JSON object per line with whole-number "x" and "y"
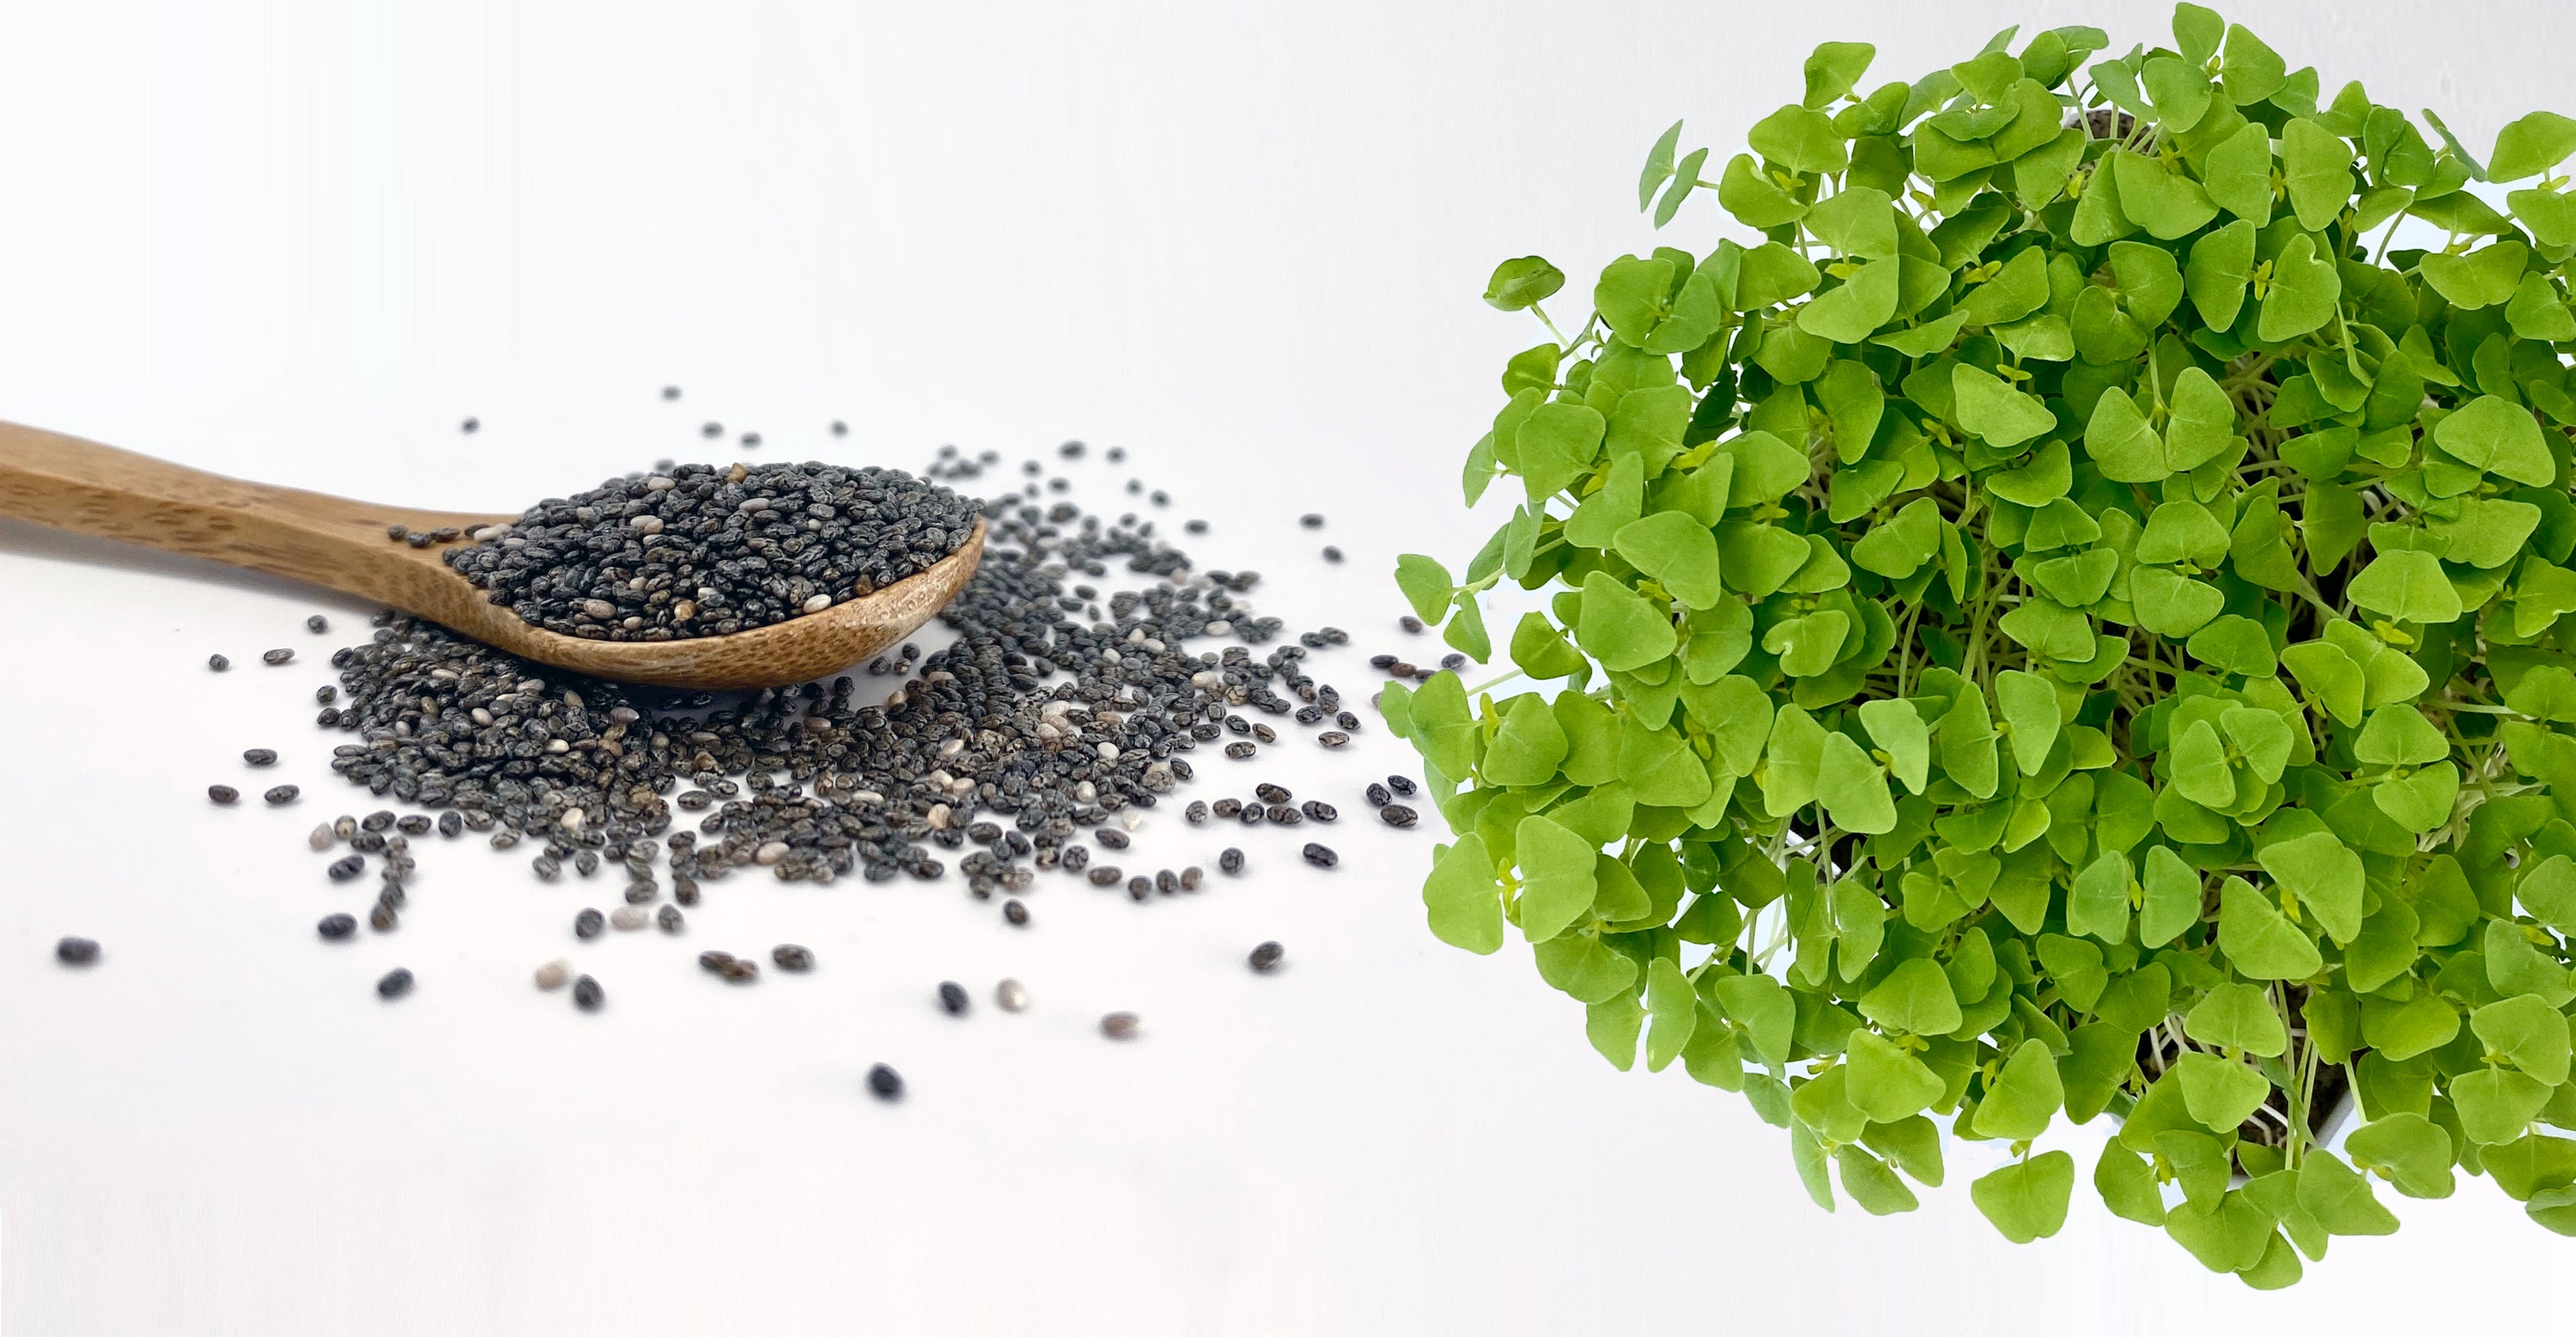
{"x": 298, "y": 242}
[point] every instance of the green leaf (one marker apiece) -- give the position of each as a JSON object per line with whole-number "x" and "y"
{"x": 2316, "y": 168}
{"x": 1466, "y": 631}
{"x": 2220, "y": 1092}
{"x": 2173, "y": 898}
{"x": 2497, "y": 1104}
{"x": 2031, "y": 715}
{"x": 1898, "y": 729}
{"x": 1678, "y": 552}
{"x": 2250, "y": 71}
{"x": 1858, "y": 221}
{"x": 2536, "y": 311}
{"x": 2409, "y": 1150}
{"x": 2304, "y": 291}
{"x": 1799, "y": 139}
{"x": 2483, "y": 277}
{"x": 2406, "y": 586}
{"x": 2128, "y": 1186}
{"x": 1557, "y": 443}
{"x": 2024, "y": 1097}
{"x": 2529, "y": 1033}
{"x": 1989, "y": 408}
{"x": 2027, "y": 1201}
{"x": 2166, "y": 203}
{"x": 1914, "y": 998}
{"x": 1464, "y": 898}
{"x": 1833, "y": 68}
{"x": 2204, "y": 420}
{"x": 2530, "y": 146}
{"x": 1426, "y": 586}
{"x": 1672, "y": 1011}
{"x": 2399, "y": 735}
{"x": 1619, "y": 627}
{"x": 2324, "y": 873}
{"x": 2238, "y": 1016}
{"x": 2015, "y": 291}
{"x": 1884, "y": 1081}
{"x": 2400, "y": 1031}
{"x": 1529, "y": 746}
{"x": 2098, "y": 904}
{"x": 2339, "y": 1199}
{"x": 2498, "y": 436}
{"x": 1529, "y": 280}
{"x": 1871, "y": 1184}
{"x": 1853, "y": 788}
{"x": 1557, "y": 883}
{"x": 1809, "y": 645}
{"x": 1540, "y": 650}
{"x": 2238, "y": 176}
{"x": 2259, "y": 941}
{"x": 2235, "y": 644}
{"x": 1611, "y": 1024}
{"x": 1659, "y": 167}
{"x": 2329, "y": 677}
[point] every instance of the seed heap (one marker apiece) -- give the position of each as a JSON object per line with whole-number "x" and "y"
{"x": 704, "y": 550}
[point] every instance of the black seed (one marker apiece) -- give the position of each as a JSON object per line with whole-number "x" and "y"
{"x": 1311, "y": 521}
{"x": 1396, "y": 814}
{"x": 260, "y": 756}
{"x": 1378, "y": 795}
{"x": 1332, "y": 554}
{"x": 1196, "y": 526}
{"x": 381, "y": 918}
{"x": 1196, "y": 813}
{"x": 1265, "y": 958}
{"x": 589, "y": 924}
{"x": 1103, "y": 875}
{"x": 395, "y": 984}
{"x": 714, "y": 960}
{"x": 587, "y": 995}
{"x": 1138, "y": 888}
{"x": 76, "y": 951}
{"x": 1402, "y": 785}
{"x": 791, "y": 957}
{"x": 1320, "y": 856}
{"x": 275, "y": 657}
{"x": 1110, "y": 837}
{"x": 952, "y": 998}
{"x": 413, "y": 824}
{"x": 224, "y": 794}
{"x": 1226, "y": 808}
{"x": 885, "y": 1082}
{"x": 670, "y": 392}
{"x": 317, "y": 624}
{"x": 1317, "y": 810}
{"x": 218, "y": 663}
{"x": 1230, "y": 862}
{"x": 1271, "y": 793}
{"x": 668, "y": 919}
{"x": 1015, "y": 912}
{"x": 471, "y": 425}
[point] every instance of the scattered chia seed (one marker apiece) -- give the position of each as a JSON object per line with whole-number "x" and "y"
{"x": 77, "y": 951}
{"x": 395, "y": 984}
{"x": 223, "y": 794}
{"x": 260, "y": 756}
{"x": 587, "y": 995}
{"x": 670, "y": 392}
{"x": 276, "y": 657}
{"x": 1396, "y": 814}
{"x": 668, "y": 919}
{"x": 1317, "y": 810}
{"x": 1011, "y": 996}
{"x": 1265, "y": 958}
{"x": 317, "y": 624}
{"x": 791, "y": 957}
{"x": 628, "y": 918}
{"x": 334, "y": 928}
{"x": 218, "y": 663}
{"x": 1016, "y": 912}
{"x": 1311, "y": 521}
{"x": 281, "y": 795}
{"x": 1321, "y": 856}
{"x": 1332, "y": 554}
{"x": 554, "y": 974}
{"x": 885, "y": 1082}
{"x": 1196, "y": 813}
{"x": 588, "y": 924}
{"x": 1333, "y": 738}
{"x": 1230, "y": 862}
{"x": 382, "y": 918}
{"x": 1402, "y": 785}
{"x": 952, "y": 998}
{"x": 1119, "y": 1025}
{"x": 471, "y": 425}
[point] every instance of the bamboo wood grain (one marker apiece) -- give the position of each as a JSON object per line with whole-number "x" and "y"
{"x": 67, "y": 483}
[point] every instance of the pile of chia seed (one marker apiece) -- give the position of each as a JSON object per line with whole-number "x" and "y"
{"x": 709, "y": 550}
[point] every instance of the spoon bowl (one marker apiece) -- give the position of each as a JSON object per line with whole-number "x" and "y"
{"x": 83, "y": 487}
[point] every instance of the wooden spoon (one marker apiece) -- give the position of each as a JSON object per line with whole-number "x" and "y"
{"x": 86, "y": 488}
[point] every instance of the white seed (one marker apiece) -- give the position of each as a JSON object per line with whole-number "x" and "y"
{"x": 321, "y": 838}
{"x": 1109, "y": 752}
{"x": 647, "y": 524}
{"x": 1011, "y": 996}
{"x": 818, "y": 603}
{"x": 483, "y": 717}
{"x": 554, "y": 975}
{"x": 1220, "y": 627}
{"x": 600, "y": 609}
{"x": 769, "y": 853}
{"x": 628, "y": 918}
{"x": 558, "y": 746}
{"x": 939, "y": 815}
{"x": 572, "y": 820}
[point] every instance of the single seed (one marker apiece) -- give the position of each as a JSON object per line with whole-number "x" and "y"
{"x": 333, "y": 928}
{"x": 1402, "y": 785}
{"x": 1194, "y": 814}
{"x": 712, "y": 960}
{"x": 76, "y": 951}
{"x": 668, "y": 919}
{"x": 395, "y": 984}
{"x": 554, "y": 974}
{"x": 1311, "y": 520}
{"x": 1104, "y": 875}
{"x": 1016, "y": 913}
{"x": 1410, "y": 623}
{"x": 382, "y": 918}
{"x": 1227, "y": 808}
{"x": 588, "y": 924}
{"x": 1332, "y": 738}
{"x": 587, "y": 995}
{"x": 1320, "y": 856}
{"x": 218, "y": 663}
{"x": 789, "y": 956}
{"x": 1119, "y": 1025}
{"x": 471, "y": 425}
{"x": 1011, "y": 996}
{"x": 321, "y": 838}
{"x": 276, "y": 657}
{"x": 281, "y": 795}
{"x": 1317, "y": 810}
{"x": 885, "y": 1082}
{"x": 1396, "y": 814}
{"x": 1230, "y": 862}
{"x": 317, "y": 624}
{"x": 628, "y": 918}
{"x": 1332, "y": 554}
{"x": 1138, "y": 888}
{"x": 413, "y": 824}
{"x": 739, "y": 971}
{"x": 1265, "y": 958}
{"x": 952, "y": 998}
{"x": 1191, "y": 877}
{"x": 260, "y": 756}
{"x": 1270, "y": 793}
{"x": 224, "y": 794}
{"x": 1110, "y": 837}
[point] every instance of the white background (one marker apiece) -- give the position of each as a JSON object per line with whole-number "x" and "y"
{"x": 299, "y": 242}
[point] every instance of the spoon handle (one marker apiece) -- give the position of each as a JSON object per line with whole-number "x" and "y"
{"x": 64, "y": 482}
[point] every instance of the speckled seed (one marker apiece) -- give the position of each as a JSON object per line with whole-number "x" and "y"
{"x": 554, "y": 975}
{"x": 1402, "y": 786}
{"x": 1192, "y": 876}
{"x": 712, "y": 960}
{"x": 218, "y": 663}
{"x": 1119, "y": 1025}
{"x": 789, "y": 956}
{"x": 1016, "y": 913}
{"x": 669, "y": 920}
{"x": 588, "y": 924}
{"x": 885, "y": 1082}
{"x": 1011, "y": 996}
{"x": 1196, "y": 813}
{"x": 1138, "y": 888}
{"x": 1270, "y": 793}
{"x": 1265, "y": 958}
{"x": 347, "y": 867}
{"x": 223, "y": 794}
{"x": 1332, "y": 738}
{"x": 76, "y": 951}
{"x": 1410, "y": 623}
{"x": 334, "y": 928}
{"x": 1396, "y": 814}
{"x": 1321, "y": 856}
{"x": 382, "y": 918}
{"x": 1378, "y": 796}
{"x": 275, "y": 657}
{"x": 1104, "y": 875}
{"x": 281, "y": 796}
{"x": 587, "y": 995}
{"x": 395, "y": 984}
{"x": 952, "y": 998}
{"x": 317, "y": 624}
{"x": 1317, "y": 810}
{"x": 1230, "y": 862}
{"x": 628, "y": 918}
{"x": 260, "y": 756}
{"x": 738, "y": 971}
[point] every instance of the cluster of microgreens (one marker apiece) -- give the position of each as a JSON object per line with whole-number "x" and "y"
{"x": 2069, "y": 620}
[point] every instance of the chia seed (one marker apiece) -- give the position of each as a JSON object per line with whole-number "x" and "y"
{"x": 260, "y": 756}
{"x": 334, "y": 928}
{"x": 587, "y": 995}
{"x": 395, "y": 984}
{"x": 1119, "y": 1025}
{"x": 281, "y": 795}
{"x": 952, "y": 998}
{"x": 790, "y": 957}
{"x": 276, "y": 657}
{"x": 77, "y": 951}
{"x": 885, "y": 1082}
{"x": 1016, "y": 912}
{"x": 1265, "y": 958}
{"x": 1396, "y": 814}
{"x": 223, "y": 794}
{"x": 218, "y": 663}
{"x": 1321, "y": 856}
{"x": 1230, "y": 862}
